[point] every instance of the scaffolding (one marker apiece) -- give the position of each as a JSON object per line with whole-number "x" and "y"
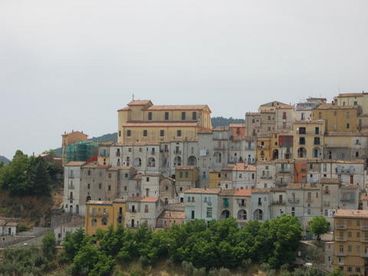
{"x": 81, "y": 151}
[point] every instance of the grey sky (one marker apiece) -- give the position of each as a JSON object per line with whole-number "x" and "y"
{"x": 70, "y": 64}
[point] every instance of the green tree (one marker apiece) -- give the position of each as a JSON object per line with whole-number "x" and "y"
{"x": 319, "y": 226}
{"x": 49, "y": 246}
{"x": 72, "y": 243}
{"x": 38, "y": 177}
{"x": 91, "y": 261}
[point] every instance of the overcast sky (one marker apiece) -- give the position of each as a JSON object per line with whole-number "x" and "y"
{"x": 71, "y": 64}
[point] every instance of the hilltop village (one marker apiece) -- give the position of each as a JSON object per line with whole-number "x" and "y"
{"x": 170, "y": 166}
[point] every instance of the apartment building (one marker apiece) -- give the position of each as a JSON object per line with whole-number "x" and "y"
{"x": 351, "y": 241}
{"x": 101, "y": 215}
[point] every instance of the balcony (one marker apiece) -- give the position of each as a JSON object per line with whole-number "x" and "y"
{"x": 340, "y": 254}
{"x": 364, "y": 228}
{"x": 178, "y": 152}
{"x": 308, "y": 200}
{"x": 266, "y": 177}
{"x": 340, "y": 239}
{"x": 293, "y": 201}
{"x": 278, "y": 202}
{"x": 341, "y": 226}
{"x": 364, "y": 239}
{"x": 284, "y": 171}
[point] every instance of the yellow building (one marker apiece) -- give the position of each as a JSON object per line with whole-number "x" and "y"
{"x": 308, "y": 139}
{"x": 141, "y": 121}
{"x": 264, "y": 148}
{"x": 337, "y": 118}
{"x": 104, "y": 214}
{"x": 351, "y": 241}
{"x": 214, "y": 179}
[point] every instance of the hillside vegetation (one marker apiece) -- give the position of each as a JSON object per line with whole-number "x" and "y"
{"x": 28, "y": 188}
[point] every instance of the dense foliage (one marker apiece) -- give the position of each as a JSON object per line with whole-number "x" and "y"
{"x": 30, "y": 260}
{"x": 319, "y": 226}
{"x": 217, "y": 244}
{"x": 28, "y": 175}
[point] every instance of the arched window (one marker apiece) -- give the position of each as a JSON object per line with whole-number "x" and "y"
{"x": 302, "y": 153}
{"x": 225, "y": 214}
{"x": 151, "y": 162}
{"x": 137, "y": 162}
{"x": 258, "y": 214}
{"x": 192, "y": 161}
{"x": 242, "y": 214}
{"x": 177, "y": 161}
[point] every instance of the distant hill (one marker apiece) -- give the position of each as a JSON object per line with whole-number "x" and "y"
{"x": 113, "y": 137}
{"x": 4, "y": 160}
{"x": 221, "y": 121}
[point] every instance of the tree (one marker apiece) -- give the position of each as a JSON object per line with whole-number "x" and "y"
{"x": 72, "y": 243}
{"x": 319, "y": 226}
{"x": 91, "y": 261}
{"x": 49, "y": 246}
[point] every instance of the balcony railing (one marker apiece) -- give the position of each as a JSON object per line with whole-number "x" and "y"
{"x": 364, "y": 239}
{"x": 278, "y": 202}
{"x": 364, "y": 227}
{"x": 266, "y": 177}
{"x": 341, "y": 226}
{"x": 294, "y": 201}
{"x": 340, "y": 239}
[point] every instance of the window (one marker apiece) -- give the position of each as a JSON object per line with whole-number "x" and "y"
{"x": 146, "y": 208}
{"x": 178, "y": 133}
{"x": 317, "y": 140}
{"x": 166, "y": 116}
{"x": 193, "y": 214}
{"x": 149, "y": 116}
{"x": 183, "y": 116}
{"x": 119, "y": 133}
{"x": 347, "y": 125}
{"x": 209, "y": 212}
{"x": 129, "y": 133}
{"x": 302, "y": 130}
{"x": 145, "y": 133}
{"x": 109, "y": 187}
{"x": 301, "y": 140}
{"x": 194, "y": 116}
{"x": 100, "y": 186}
{"x": 162, "y": 133}
{"x": 284, "y": 115}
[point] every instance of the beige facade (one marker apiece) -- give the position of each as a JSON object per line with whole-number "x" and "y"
{"x": 337, "y": 118}
{"x": 351, "y": 241}
{"x": 141, "y": 121}
{"x": 308, "y": 139}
